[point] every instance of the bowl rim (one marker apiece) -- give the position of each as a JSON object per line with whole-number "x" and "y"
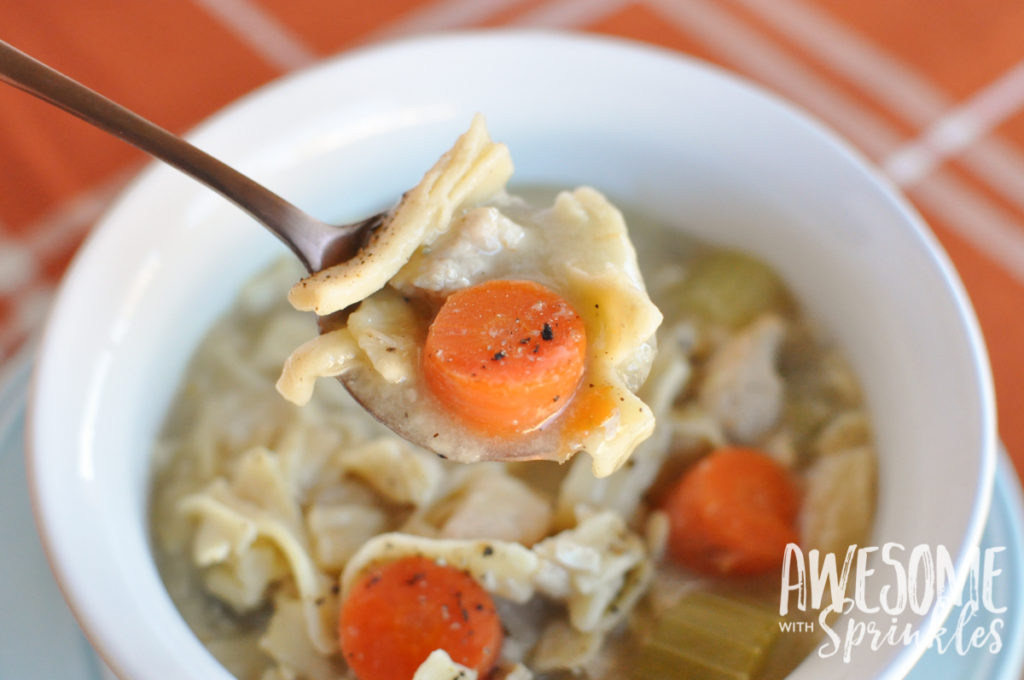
{"x": 902, "y": 661}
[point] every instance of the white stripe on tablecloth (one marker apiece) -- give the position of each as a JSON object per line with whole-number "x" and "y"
{"x": 911, "y": 97}
{"x": 963, "y": 126}
{"x": 999, "y": 165}
{"x": 974, "y": 218}
{"x": 40, "y": 240}
{"x": 981, "y": 223}
{"x": 44, "y": 237}
{"x": 30, "y": 307}
{"x": 442, "y": 15}
{"x": 74, "y": 216}
{"x": 262, "y": 32}
{"x": 569, "y": 13}
{"x": 756, "y": 55}
{"x": 17, "y": 265}
{"x": 886, "y": 78}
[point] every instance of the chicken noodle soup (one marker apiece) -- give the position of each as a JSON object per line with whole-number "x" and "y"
{"x": 311, "y": 542}
{"x": 489, "y": 328}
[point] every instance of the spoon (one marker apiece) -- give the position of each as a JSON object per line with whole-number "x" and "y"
{"x": 318, "y": 245}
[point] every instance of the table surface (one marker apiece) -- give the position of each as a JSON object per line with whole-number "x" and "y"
{"x": 932, "y": 92}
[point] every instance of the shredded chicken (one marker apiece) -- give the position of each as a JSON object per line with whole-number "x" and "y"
{"x": 502, "y": 508}
{"x": 742, "y": 388}
{"x": 439, "y": 666}
{"x": 464, "y": 254}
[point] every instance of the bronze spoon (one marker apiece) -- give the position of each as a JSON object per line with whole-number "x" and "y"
{"x": 318, "y": 245}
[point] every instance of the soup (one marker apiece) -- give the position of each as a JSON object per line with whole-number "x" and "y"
{"x": 266, "y": 516}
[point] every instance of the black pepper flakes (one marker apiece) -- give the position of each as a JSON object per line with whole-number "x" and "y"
{"x": 462, "y": 607}
{"x": 546, "y": 333}
{"x": 499, "y": 355}
{"x": 488, "y": 551}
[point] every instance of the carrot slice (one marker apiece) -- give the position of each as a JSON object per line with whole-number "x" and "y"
{"x": 504, "y": 356}
{"x": 732, "y": 513}
{"x": 401, "y": 611}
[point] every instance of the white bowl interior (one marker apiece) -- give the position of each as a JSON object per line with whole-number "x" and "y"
{"x": 693, "y": 146}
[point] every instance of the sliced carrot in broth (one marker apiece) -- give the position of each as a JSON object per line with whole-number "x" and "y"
{"x": 733, "y": 513}
{"x": 401, "y": 611}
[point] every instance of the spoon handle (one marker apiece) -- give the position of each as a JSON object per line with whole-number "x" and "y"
{"x": 300, "y": 232}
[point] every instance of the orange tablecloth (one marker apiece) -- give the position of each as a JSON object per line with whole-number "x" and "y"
{"x": 933, "y": 92}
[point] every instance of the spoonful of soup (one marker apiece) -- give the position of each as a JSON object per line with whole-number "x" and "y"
{"x": 487, "y": 328}
{"x": 464, "y": 319}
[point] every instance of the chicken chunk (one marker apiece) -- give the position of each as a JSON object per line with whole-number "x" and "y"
{"x": 500, "y": 507}
{"x": 742, "y": 388}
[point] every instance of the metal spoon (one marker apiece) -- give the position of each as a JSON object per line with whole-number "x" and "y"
{"x": 317, "y": 244}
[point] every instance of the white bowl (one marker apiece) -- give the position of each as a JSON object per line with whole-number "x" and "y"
{"x": 694, "y": 146}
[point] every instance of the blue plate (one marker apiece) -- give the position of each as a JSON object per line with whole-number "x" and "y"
{"x": 39, "y": 639}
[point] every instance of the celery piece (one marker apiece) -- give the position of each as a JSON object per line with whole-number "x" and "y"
{"x": 706, "y": 636}
{"x": 732, "y": 288}
{"x": 805, "y": 414}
